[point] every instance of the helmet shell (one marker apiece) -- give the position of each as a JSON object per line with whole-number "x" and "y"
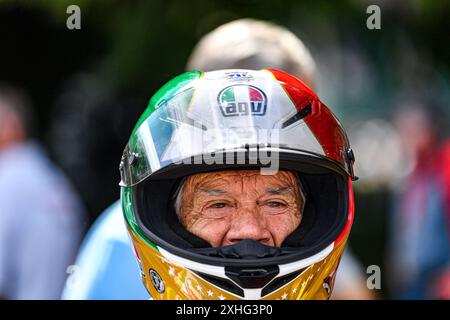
{"x": 237, "y": 103}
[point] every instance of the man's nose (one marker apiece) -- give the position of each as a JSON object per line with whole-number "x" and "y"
{"x": 248, "y": 224}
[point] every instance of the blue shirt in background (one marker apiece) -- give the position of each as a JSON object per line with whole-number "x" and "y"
{"x": 106, "y": 267}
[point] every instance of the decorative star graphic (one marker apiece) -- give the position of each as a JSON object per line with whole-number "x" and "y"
{"x": 199, "y": 288}
{"x": 284, "y": 296}
{"x": 171, "y": 271}
{"x": 221, "y": 297}
{"x": 210, "y": 293}
{"x": 294, "y": 290}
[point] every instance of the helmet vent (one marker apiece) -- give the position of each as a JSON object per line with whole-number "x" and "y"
{"x": 281, "y": 281}
{"x": 252, "y": 278}
{"x": 222, "y": 283}
{"x": 303, "y": 113}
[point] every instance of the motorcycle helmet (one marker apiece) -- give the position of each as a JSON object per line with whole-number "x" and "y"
{"x": 237, "y": 119}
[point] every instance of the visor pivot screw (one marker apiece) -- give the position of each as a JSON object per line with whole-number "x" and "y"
{"x": 350, "y": 155}
{"x": 351, "y": 160}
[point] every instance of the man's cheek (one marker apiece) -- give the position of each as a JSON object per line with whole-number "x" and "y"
{"x": 212, "y": 231}
{"x": 280, "y": 227}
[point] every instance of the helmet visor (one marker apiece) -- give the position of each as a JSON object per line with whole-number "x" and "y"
{"x": 179, "y": 130}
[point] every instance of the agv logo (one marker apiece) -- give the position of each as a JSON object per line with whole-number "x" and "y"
{"x": 242, "y": 100}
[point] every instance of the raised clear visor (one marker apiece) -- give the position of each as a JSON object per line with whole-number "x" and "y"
{"x": 203, "y": 120}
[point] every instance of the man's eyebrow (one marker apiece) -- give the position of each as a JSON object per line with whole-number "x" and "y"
{"x": 282, "y": 190}
{"x": 212, "y": 192}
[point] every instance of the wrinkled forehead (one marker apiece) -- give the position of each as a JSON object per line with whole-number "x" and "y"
{"x": 225, "y": 180}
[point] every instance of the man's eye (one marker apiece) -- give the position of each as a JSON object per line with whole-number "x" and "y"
{"x": 275, "y": 204}
{"x": 218, "y": 205}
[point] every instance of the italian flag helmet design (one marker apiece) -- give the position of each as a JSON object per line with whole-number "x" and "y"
{"x": 242, "y": 99}
{"x": 204, "y": 122}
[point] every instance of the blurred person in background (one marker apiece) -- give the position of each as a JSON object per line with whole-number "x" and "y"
{"x": 351, "y": 280}
{"x": 107, "y": 268}
{"x": 420, "y": 230}
{"x": 40, "y": 215}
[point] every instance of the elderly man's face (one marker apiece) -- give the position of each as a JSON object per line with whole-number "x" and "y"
{"x": 228, "y": 206}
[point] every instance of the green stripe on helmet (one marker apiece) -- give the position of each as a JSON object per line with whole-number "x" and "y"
{"x": 127, "y": 208}
{"x": 166, "y": 92}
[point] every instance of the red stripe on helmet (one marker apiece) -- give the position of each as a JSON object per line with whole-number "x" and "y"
{"x": 329, "y": 133}
{"x": 290, "y": 79}
{"x": 322, "y": 122}
{"x": 351, "y": 214}
{"x": 136, "y": 252}
{"x": 297, "y": 91}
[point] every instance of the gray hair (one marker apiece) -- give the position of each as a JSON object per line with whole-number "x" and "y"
{"x": 178, "y": 198}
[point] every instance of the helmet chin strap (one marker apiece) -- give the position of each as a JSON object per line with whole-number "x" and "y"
{"x": 244, "y": 249}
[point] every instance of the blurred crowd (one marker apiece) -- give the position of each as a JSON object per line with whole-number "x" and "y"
{"x": 408, "y": 157}
{"x": 51, "y": 190}
{"x": 40, "y": 213}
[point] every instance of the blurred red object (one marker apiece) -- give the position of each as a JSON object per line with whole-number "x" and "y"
{"x": 444, "y": 176}
{"x": 442, "y": 286}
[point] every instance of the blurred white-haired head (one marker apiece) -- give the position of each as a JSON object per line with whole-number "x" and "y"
{"x": 253, "y": 44}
